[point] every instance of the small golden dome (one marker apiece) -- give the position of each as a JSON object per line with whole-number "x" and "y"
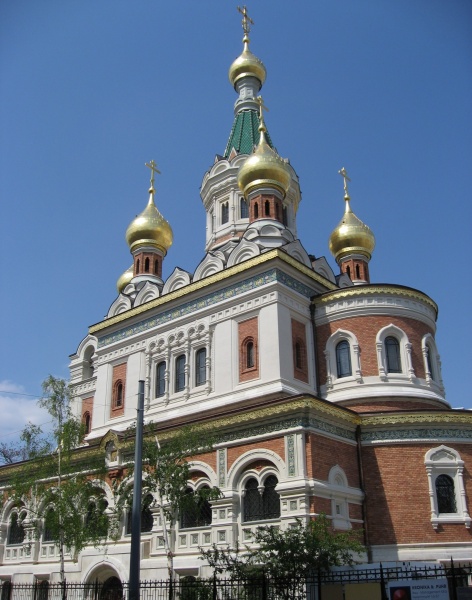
{"x": 124, "y": 279}
{"x": 150, "y": 229}
{"x": 247, "y": 65}
{"x": 351, "y": 236}
{"x": 264, "y": 167}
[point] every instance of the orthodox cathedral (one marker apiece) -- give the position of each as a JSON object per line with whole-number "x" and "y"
{"x": 323, "y": 389}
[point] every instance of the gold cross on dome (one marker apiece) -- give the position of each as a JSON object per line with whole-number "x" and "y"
{"x": 153, "y": 166}
{"x": 343, "y": 173}
{"x": 262, "y": 107}
{"x": 246, "y": 20}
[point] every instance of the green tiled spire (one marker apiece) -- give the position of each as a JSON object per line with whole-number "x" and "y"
{"x": 244, "y": 133}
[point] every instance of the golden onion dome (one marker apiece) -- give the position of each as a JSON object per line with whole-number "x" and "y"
{"x": 351, "y": 236}
{"x": 247, "y": 65}
{"x": 124, "y": 279}
{"x": 264, "y": 167}
{"x": 149, "y": 229}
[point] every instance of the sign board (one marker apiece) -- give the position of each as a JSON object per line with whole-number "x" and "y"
{"x": 418, "y": 589}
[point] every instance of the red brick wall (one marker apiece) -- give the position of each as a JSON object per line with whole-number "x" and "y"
{"x": 352, "y": 263}
{"x": 383, "y": 405}
{"x": 324, "y": 453}
{"x": 398, "y": 508}
{"x": 119, "y": 374}
{"x": 141, "y": 257}
{"x": 275, "y": 208}
{"x": 299, "y": 335}
{"x": 366, "y": 329}
{"x": 277, "y": 445}
{"x": 248, "y": 330}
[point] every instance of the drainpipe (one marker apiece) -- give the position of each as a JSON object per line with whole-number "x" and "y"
{"x": 361, "y": 481}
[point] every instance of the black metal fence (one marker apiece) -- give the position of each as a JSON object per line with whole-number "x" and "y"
{"x": 256, "y": 588}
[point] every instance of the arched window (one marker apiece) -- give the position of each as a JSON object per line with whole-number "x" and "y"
{"x": 343, "y": 359}
{"x": 147, "y": 519}
{"x": 16, "y": 533}
{"x": 224, "y": 213}
{"x": 244, "y": 209}
{"x": 156, "y": 267}
{"x": 146, "y": 265}
{"x": 284, "y": 216}
{"x": 200, "y": 367}
{"x": 358, "y": 272}
{"x": 194, "y": 514}
{"x": 392, "y": 353}
{"x": 49, "y": 525}
{"x": 348, "y": 271}
{"x": 137, "y": 266}
{"x": 445, "y": 494}
{"x": 161, "y": 379}
{"x": 180, "y": 373}
{"x": 249, "y": 354}
{"x": 261, "y": 506}
{"x": 87, "y": 422}
{"x": 118, "y": 395}
{"x": 256, "y": 210}
{"x": 96, "y": 519}
{"x": 267, "y": 208}
{"x": 87, "y": 371}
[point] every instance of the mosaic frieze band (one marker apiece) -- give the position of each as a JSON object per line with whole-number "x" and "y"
{"x": 270, "y": 276}
{"x": 415, "y": 435}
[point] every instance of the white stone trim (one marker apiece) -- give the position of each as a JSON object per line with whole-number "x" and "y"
{"x": 407, "y": 371}
{"x": 332, "y": 379}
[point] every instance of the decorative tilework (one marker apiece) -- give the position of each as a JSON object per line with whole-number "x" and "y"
{"x": 187, "y": 308}
{"x": 415, "y": 435}
{"x": 222, "y": 467}
{"x": 290, "y": 440}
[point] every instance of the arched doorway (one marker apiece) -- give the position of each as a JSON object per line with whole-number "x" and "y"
{"x": 111, "y": 589}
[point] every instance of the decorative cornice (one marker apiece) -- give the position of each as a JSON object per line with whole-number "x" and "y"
{"x": 416, "y": 435}
{"x": 369, "y": 290}
{"x": 212, "y": 279}
{"x": 423, "y": 417}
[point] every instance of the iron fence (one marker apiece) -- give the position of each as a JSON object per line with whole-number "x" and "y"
{"x": 256, "y": 588}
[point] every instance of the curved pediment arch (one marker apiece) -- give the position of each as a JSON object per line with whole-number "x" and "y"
{"x": 243, "y": 251}
{"x": 210, "y": 264}
{"x": 120, "y": 305}
{"x": 178, "y": 279}
{"x": 148, "y": 292}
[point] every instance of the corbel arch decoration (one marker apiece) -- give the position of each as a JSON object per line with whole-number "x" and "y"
{"x": 445, "y": 472}
{"x": 394, "y": 354}
{"x": 343, "y": 360}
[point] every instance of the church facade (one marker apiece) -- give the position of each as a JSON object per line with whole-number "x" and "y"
{"x": 324, "y": 389}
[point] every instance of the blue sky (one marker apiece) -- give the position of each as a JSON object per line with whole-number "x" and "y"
{"x": 92, "y": 90}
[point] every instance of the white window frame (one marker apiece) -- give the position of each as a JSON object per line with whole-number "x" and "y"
{"x": 428, "y": 344}
{"x": 332, "y": 378}
{"x": 405, "y": 354}
{"x": 443, "y": 460}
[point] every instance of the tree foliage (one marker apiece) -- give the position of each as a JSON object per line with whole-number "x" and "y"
{"x": 55, "y": 483}
{"x": 289, "y": 557}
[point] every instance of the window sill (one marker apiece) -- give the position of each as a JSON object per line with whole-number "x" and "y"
{"x": 451, "y": 518}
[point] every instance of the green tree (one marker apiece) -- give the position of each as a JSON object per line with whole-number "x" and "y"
{"x": 55, "y": 484}
{"x": 289, "y": 557}
{"x": 166, "y": 474}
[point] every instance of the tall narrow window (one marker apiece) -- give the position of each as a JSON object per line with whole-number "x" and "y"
{"x": 146, "y": 265}
{"x": 429, "y": 362}
{"x": 16, "y": 534}
{"x": 180, "y": 373}
{"x": 224, "y": 212}
{"x": 49, "y": 525}
{"x": 147, "y": 520}
{"x": 257, "y": 506}
{"x": 343, "y": 359}
{"x": 267, "y": 208}
{"x": 445, "y": 494}
{"x": 87, "y": 420}
{"x": 137, "y": 266}
{"x": 244, "y": 209}
{"x": 256, "y": 210}
{"x": 161, "y": 379}
{"x": 42, "y": 590}
{"x": 200, "y": 367}
{"x": 392, "y": 352}
{"x": 156, "y": 267}
{"x": 6, "y": 590}
{"x": 284, "y": 216}
{"x": 348, "y": 271}
{"x": 118, "y": 394}
{"x": 249, "y": 354}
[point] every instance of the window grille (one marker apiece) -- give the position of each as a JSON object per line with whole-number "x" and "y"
{"x": 6, "y": 590}
{"x": 180, "y": 373}
{"x": 16, "y": 535}
{"x": 42, "y": 590}
{"x": 445, "y": 494}
{"x": 194, "y": 514}
{"x": 224, "y": 213}
{"x": 343, "y": 359}
{"x": 160, "y": 379}
{"x": 392, "y": 351}
{"x": 200, "y": 367}
{"x": 259, "y": 507}
{"x": 250, "y": 355}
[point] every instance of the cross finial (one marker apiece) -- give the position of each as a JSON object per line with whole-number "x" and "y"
{"x": 247, "y": 21}
{"x": 153, "y": 166}
{"x": 262, "y": 107}
{"x": 343, "y": 173}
